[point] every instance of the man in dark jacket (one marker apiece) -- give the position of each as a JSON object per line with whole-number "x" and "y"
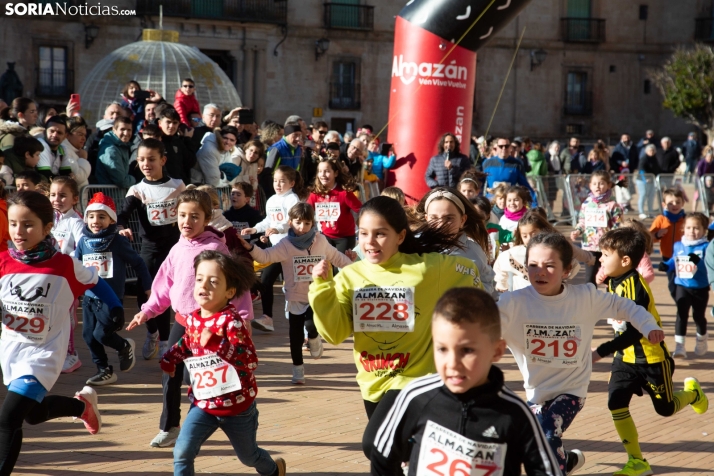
{"x": 624, "y": 156}
{"x": 179, "y": 157}
{"x": 692, "y": 151}
{"x": 447, "y": 166}
{"x": 649, "y": 138}
{"x": 668, "y": 157}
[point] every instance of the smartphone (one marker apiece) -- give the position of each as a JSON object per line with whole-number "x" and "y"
{"x": 74, "y": 99}
{"x": 246, "y": 116}
{"x": 386, "y": 148}
{"x": 142, "y": 95}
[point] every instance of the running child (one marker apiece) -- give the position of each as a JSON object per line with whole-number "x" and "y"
{"x": 510, "y": 267}
{"x": 691, "y": 283}
{"x": 298, "y": 253}
{"x": 241, "y": 214}
{"x": 399, "y": 280}
{"x": 102, "y": 247}
{"x": 217, "y": 342}
{"x": 333, "y": 199}
{"x": 287, "y": 184}
{"x": 33, "y": 344}
{"x": 668, "y": 228}
{"x": 638, "y": 363}
{"x": 549, "y": 328}
{"x": 598, "y": 214}
{"x": 444, "y": 207}
{"x": 154, "y": 199}
{"x": 64, "y": 196}
{"x": 644, "y": 267}
{"x": 172, "y": 288}
{"x": 516, "y": 199}
{"x": 467, "y": 402}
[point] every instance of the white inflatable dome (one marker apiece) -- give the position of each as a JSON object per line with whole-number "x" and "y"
{"x": 160, "y": 63}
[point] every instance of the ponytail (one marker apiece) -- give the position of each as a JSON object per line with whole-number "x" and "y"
{"x": 294, "y": 176}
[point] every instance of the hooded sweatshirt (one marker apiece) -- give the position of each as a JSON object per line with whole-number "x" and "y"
{"x": 113, "y": 162}
{"x": 173, "y": 285}
{"x": 209, "y": 157}
{"x": 185, "y": 105}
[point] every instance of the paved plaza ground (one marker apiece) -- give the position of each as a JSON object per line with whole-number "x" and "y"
{"x": 318, "y": 427}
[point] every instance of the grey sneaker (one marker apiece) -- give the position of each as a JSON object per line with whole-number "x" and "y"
{"x": 298, "y": 375}
{"x": 104, "y": 376}
{"x": 264, "y": 323}
{"x": 679, "y": 351}
{"x": 702, "y": 345}
{"x": 163, "y": 347}
{"x": 151, "y": 345}
{"x": 315, "y": 347}
{"x": 165, "y": 438}
{"x": 127, "y": 360}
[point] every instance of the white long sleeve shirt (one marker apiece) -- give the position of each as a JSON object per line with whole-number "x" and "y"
{"x": 550, "y": 336}
{"x": 276, "y": 209}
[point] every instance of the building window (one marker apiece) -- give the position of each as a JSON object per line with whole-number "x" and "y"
{"x": 52, "y": 74}
{"x": 578, "y": 100}
{"x": 648, "y": 86}
{"x": 344, "y": 85}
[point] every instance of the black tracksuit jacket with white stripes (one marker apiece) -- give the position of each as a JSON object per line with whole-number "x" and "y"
{"x": 490, "y": 413}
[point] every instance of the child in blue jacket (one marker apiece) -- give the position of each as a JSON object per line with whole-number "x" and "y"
{"x": 104, "y": 248}
{"x": 691, "y": 282}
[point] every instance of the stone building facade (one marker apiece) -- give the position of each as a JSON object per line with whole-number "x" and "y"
{"x": 581, "y": 67}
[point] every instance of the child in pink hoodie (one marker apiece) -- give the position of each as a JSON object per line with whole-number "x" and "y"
{"x": 173, "y": 287}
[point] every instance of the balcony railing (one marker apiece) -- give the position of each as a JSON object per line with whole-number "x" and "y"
{"x": 54, "y": 83}
{"x": 578, "y": 103}
{"x": 588, "y": 30}
{"x": 345, "y": 96}
{"x": 256, "y": 11}
{"x": 348, "y": 16}
{"x": 704, "y": 29}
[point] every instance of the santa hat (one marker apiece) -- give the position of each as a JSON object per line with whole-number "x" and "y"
{"x": 101, "y": 202}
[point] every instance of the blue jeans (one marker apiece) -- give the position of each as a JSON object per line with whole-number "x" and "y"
{"x": 644, "y": 190}
{"x": 240, "y": 430}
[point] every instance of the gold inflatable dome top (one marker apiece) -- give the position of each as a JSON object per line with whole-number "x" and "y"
{"x": 160, "y": 35}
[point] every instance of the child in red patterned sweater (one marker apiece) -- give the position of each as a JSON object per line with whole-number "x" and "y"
{"x": 220, "y": 357}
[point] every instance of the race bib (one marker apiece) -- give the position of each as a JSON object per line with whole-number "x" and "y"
{"x": 102, "y": 261}
{"x": 685, "y": 269}
{"x": 240, "y": 225}
{"x": 327, "y": 211}
{"x": 446, "y": 453}
{"x": 302, "y": 267}
{"x": 61, "y": 238}
{"x": 25, "y": 322}
{"x": 211, "y": 376}
{"x": 162, "y": 213}
{"x": 555, "y": 345}
{"x": 595, "y": 217}
{"x": 276, "y": 214}
{"x": 383, "y": 309}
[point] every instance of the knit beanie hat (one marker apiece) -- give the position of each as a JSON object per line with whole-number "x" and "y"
{"x": 101, "y": 202}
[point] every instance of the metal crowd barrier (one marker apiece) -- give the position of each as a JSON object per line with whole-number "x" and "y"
{"x": 665, "y": 181}
{"x": 705, "y": 189}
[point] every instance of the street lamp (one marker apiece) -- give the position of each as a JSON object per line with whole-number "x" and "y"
{"x": 321, "y": 47}
{"x": 537, "y": 58}
{"x": 90, "y": 33}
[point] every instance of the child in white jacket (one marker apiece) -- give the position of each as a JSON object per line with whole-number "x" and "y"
{"x": 302, "y": 249}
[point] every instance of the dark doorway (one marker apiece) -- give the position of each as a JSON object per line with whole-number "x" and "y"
{"x": 225, "y": 61}
{"x": 343, "y": 124}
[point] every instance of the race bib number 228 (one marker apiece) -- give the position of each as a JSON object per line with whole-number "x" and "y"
{"x": 383, "y": 309}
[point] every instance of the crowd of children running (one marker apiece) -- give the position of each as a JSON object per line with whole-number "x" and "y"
{"x": 448, "y": 284}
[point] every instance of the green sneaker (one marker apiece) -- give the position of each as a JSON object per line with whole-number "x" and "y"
{"x": 701, "y": 404}
{"x": 634, "y": 467}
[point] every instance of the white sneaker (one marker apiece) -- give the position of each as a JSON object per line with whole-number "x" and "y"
{"x": 315, "y": 347}
{"x": 702, "y": 345}
{"x": 679, "y": 351}
{"x": 298, "y": 375}
{"x": 263, "y": 323}
{"x": 163, "y": 347}
{"x": 71, "y": 363}
{"x": 151, "y": 345}
{"x": 165, "y": 438}
{"x": 643, "y": 216}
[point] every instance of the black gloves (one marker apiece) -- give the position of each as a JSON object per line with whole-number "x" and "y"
{"x": 117, "y": 317}
{"x": 663, "y": 266}
{"x": 694, "y": 258}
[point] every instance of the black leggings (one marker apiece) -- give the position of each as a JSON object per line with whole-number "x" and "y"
{"x": 171, "y": 413}
{"x": 376, "y": 413}
{"x": 267, "y": 279}
{"x": 297, "y": 335}
{"x": 591, "y": 271}
{"x": 16, "y": 409}
{"x": 695, "y": 298}
{"x": 153, "y": 255}
{"x": 342, "y": 244}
